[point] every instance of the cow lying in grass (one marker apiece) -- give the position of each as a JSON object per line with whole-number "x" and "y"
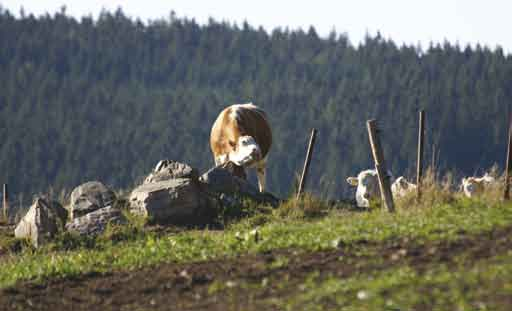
{"x": 475, "y": 186}
{"x": 401, "y": 187}
{"x": 241, "y": 134}
{"x": 367, "y": 185}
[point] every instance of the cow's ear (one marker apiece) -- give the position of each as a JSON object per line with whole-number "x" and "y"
{"x": 352, "y": 181}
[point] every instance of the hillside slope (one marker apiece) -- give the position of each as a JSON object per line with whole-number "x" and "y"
{"x": 106, "y": 99}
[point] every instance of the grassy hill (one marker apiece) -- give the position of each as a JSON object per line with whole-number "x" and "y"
{"x": 448, "y": 252}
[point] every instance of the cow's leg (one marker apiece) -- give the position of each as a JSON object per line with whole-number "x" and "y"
{"x": 260, "y": 171}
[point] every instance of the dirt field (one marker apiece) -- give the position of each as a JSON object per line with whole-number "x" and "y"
{"x": 194, "y": 286}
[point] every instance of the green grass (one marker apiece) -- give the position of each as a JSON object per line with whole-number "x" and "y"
{"x": 477, "y": 287}
{"x": 312, "y": 227}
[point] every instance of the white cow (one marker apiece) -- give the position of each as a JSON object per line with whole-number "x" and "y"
{"x": 474, "y": 186}
{"x": 367, "y": 185}
{"x": 241, "y": 134}
{"x": 401, "y": 187}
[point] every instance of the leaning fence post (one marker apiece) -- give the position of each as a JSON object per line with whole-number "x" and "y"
{"x": 419, "y": 159}
{"x": 5, "y": 203}
{"x": 380, "y": 165}
{"x": 306, "y": 163}
{"x": 506, "y": 193}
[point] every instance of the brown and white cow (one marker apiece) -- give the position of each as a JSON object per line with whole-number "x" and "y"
{"x": 474, "y": 186}
{"x": 241, "y": 134}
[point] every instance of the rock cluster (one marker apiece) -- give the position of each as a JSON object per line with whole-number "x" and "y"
{"x": 91, "y": 209}
{"x": 173, "y": 193}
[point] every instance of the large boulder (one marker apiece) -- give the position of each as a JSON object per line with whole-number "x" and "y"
{"x": 44, "y": 219}
{"x": 89, "y": 197}
{"x": 220, "y": 180}
{"x": 169, "y": 169}
{"x": 96, "y": 222}
{"x": 173, "y": 201}
{"x": 235, "y": 170}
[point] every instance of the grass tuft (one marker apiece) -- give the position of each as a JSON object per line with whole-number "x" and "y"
{"x": 307, "y": 206}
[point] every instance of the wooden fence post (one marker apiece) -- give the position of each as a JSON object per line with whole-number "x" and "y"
{"x": 506, "y": 193}
{"x": 419, "y": 159}
{"x": 380, "y": 165}
{"x": 5, "y": 203}
{"x": 306, "y": 163}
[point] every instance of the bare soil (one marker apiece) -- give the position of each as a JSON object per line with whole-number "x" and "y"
{"x": 186, "y": 286}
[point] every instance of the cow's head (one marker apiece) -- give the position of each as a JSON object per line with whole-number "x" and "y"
{"x": 367, "y": 187}
{"x": 471, "y": 186}
{"x": 245, "y": 151}
{"x": 474, "y": 186}
{"x": 402, "y": 182}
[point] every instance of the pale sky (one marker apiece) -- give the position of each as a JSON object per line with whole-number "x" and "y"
{"x": 488, "y": 22}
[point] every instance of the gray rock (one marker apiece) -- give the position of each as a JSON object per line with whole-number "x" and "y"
{"x": 42, "y": 221}
{"x": 96, "y": 222}
{"x": 235, "y": 170}
{"x": 221, "y": 181}
{"x": 176, "y": 201}
{"x": 89, "y": 197}
{"x": 169, "y": 169}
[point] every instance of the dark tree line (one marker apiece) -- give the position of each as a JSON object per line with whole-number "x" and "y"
{"x": 106, "y": 99}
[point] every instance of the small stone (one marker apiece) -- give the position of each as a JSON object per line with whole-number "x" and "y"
{"x": 362, "y": 295}
{"x": 184, "y": 274}
{"x": 264, "y": 282}
{"x": 399, "y": 254}
{"x": 335, "y": 243}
